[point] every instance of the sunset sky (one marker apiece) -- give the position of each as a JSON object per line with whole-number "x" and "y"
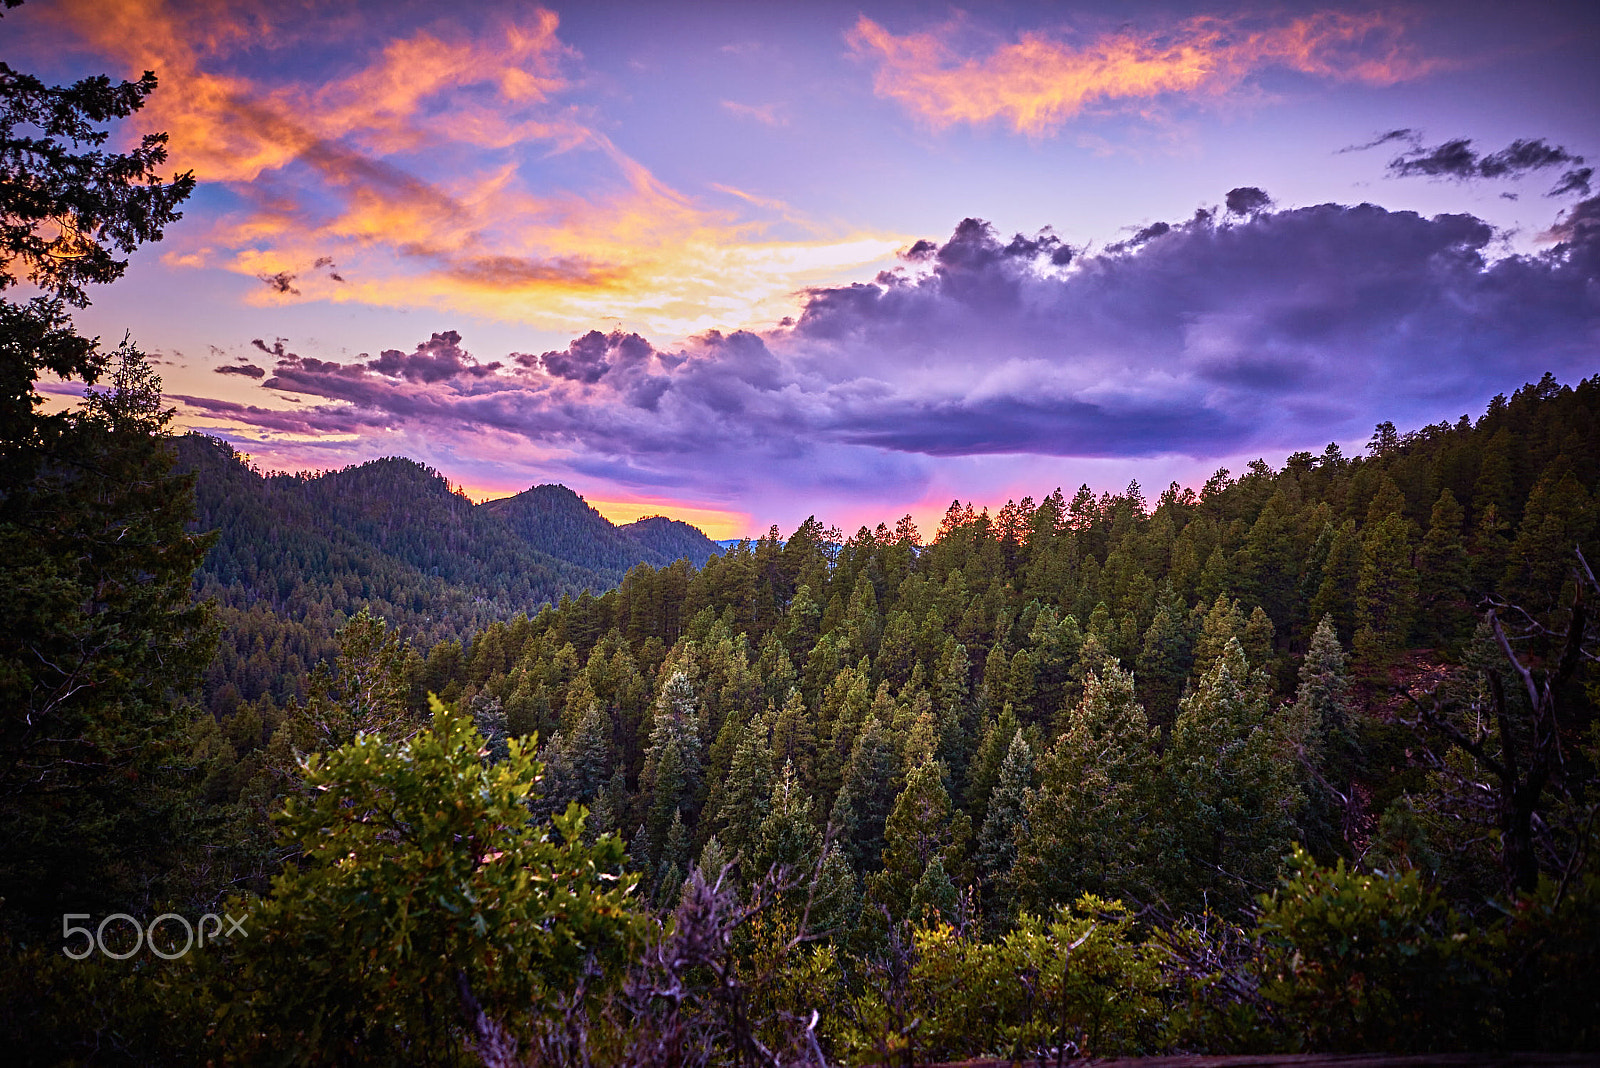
{"x": 744, "y": 262}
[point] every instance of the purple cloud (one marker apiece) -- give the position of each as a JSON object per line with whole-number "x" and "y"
{"x": 1457, "y": 159}
{"x": 589, "y": 357}
{"x": 439, "y": 358}
{"x": 1261, "y": 331}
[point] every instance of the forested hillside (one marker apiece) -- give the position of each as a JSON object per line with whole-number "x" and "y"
{"x": 297, "y": 555}
{"x": 559, "y": 522}
{"x": 1154, "y": 720}
{"x": 851, "y": 662}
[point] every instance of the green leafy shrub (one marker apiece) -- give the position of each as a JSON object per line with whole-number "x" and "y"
{"x": 1367, "y": 962}
{"x": 1078, "y": 980}
{"x": 420, "y": 877}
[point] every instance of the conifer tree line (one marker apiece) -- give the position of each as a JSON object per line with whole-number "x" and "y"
{"x": 1144, "y": 701}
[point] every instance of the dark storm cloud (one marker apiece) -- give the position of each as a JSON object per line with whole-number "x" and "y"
{"x": 333, "y": 268}
{"x": 1205, "y": 338}
{"x": 282, "y": 282}
{"x": 275, "y": 349}
{"x": 1524, "y": 156}
{"x": 1577, "y": 234}
{"x": 249, "y": 370}
{"x": 1019, "y": 424}
{"x": 1267, "y": 330}
{"x": 314, "y": 421}
{"x": 1247, "y": 200}
{"x": 1457, "y": 159}
{"x": 1150, "y": 233}
{"x": 1574, "y": 183}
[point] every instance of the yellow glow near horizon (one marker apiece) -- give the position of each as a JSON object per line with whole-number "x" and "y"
{"x": 717, "y": 524}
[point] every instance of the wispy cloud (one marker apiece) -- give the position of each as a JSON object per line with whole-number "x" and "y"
{"x": 766, "y": 114}
{"x": 1042, "y": 80}
{"x": 424, "y": 173}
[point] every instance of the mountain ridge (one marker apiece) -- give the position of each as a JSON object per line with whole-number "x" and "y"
{"x": 298, "y": 554}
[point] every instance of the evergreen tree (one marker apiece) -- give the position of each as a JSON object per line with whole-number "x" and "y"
{"x": 953, "y": 706}
{"x": 1341, "y": 573}
{"x": 835, "y": 897}
{"x": 578, "y": 766}
{"x": 897, "y": 654}
{"x": 1222, "y": 623}
{"x": 1270, "y": 559}
{"x": 1498, "y": 472}
{"x": 786, "y": 836}
{"x": 1489, "y": 548}
{"x": 1091, "y": 826}
{"x": 775, "y": 670}
{"x": 994, "y": 692}
{"x": 1560, "y": 514}
{"x": 713, "y": 859}
{"x": 987, "y": 761}
{"x": 845, "y": 708}
{"x": 1257, "y": 640}
{"x": 1055, "y": 644}
{"x": 673, "y": 865}
{"x": 605, "y": 815}
{"x": 1164, "y": 661}
{"x": 364, "y": 693}
{"x": 1320, "y": 730}
{"x": 866, "y": 798}
{"x": 1386, "y": 590}
{"x": 1387, "y": 500}
{"x": 1231, "y": 786}
{"x": 741, "y": 800}
{"x": 1216, "y": 577}
{"x": 794, "y": 740}
{"x": 1444, "y": 574}
{"x": 862, "y": 624}
{"x": 923, "y": 828}
{"x": 934, "y": 896}
{"x": 803, "y": 622}
{"x": 1005, "y": 820}
{"x": 102, "y": 648}
{"x": 671, "y": 780}
{"x": 489, "y": 718}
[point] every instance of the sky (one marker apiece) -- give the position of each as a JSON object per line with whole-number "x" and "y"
{"x": 741, "y": 263}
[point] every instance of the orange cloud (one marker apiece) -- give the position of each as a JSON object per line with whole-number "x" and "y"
{"x": 1040, "y": 82}
{"x": 407, "y": 174}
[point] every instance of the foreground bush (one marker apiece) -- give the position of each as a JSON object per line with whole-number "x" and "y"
{"x": 422, "y": 886}
{"x": 1080, "y": 980}
{"x": 1378, "y": 961}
